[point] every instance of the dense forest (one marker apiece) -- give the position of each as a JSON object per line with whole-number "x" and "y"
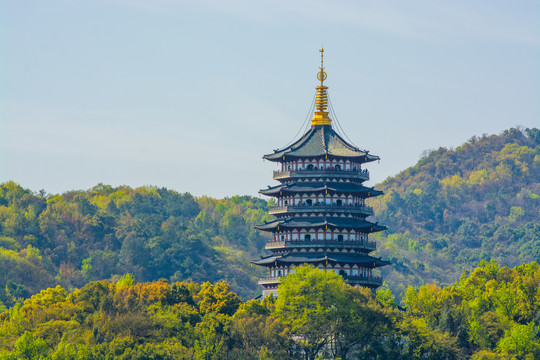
{"x": 456, "y": 207}
{"x": 491, "y": 313}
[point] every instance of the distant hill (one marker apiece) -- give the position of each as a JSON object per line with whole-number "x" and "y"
{"x": 451, "y": 210}
{"x": 102, "y": 233}
{"x": 456, "y": 207}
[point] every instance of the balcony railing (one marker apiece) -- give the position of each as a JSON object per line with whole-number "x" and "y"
{"x": 362, "y": 174}
{"x": 363, "y": 244}
{"x": 360, "y": 209}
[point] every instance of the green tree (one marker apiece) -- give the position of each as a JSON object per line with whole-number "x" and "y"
{"x": 308, "y": 303}
{"x": 29, "y": 347}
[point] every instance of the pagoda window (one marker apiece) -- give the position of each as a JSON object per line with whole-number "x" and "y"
{"x": 338, "y": 202}
{"x": 320, "y": 235}
{"x": 340, "y": 237}
{"x": 355, "y": 272}
{"x": 353, "y": 237}
{"x": 282, "y": 237}
{"x": 342, "y": 273}
{"x": 307, "y": 237}
{"x": 328, "y": 235}
{"x": 279, "y": 273}
{"x": 309, "y": 202}
{"x": 295, "y": 236}
{"x": 337, "y": 167}
{"x": 310, "y": 167}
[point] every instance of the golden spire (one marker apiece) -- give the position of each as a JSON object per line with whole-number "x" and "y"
{"x": 321, "y": 101}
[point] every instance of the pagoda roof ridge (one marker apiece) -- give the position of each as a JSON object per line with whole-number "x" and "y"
{"x": 319, "y": 141}
{"x": 299, "y": 258}
{"x": 319, "y": 222}
{"x": 320, "y": 186}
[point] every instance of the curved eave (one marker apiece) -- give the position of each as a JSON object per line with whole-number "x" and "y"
{"x": 316, "y": 188}
{"x": 299, "y": 259}
{"x": 289, "y": 156}
{"x": 317, "y": 223}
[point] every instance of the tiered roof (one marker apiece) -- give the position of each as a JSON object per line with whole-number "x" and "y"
{"x": 322, "y": 142}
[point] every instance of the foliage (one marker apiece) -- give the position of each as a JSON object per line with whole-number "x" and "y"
{"x": 453, "y": 210}
{"x": 492, "y": 310}
{"x": 491, "y": 313}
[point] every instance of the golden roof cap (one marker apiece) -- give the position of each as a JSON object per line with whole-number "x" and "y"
{"x": 321, "y": 101}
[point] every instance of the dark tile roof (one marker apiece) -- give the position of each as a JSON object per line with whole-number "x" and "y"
{"x": 340, "y": 187}
{"x": 319, "y": 222}
{"x": 310, "y": 258}
{"x": 319, "y": 141}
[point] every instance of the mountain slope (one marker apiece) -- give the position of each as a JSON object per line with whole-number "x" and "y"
{"x": 456, "y": 207}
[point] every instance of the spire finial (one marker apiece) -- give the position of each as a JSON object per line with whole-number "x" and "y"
{"x": 321, "y": 101}
{"x": 321, "y": 75}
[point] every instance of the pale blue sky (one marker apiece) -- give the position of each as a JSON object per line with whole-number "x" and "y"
{"x": 190, "y": 94}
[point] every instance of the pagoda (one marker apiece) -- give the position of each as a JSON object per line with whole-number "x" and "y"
{"x": 320, "y": 205}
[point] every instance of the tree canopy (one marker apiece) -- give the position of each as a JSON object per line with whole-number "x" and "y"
{"x": 490, "y": 313}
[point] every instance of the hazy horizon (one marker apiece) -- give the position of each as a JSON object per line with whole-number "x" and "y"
{"x": 189, "y": 95}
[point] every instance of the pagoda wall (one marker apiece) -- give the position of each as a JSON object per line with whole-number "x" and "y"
{"x": 322, "y": 199}
{"x": 322, "y": 164}
{"x": 296, "y": 235}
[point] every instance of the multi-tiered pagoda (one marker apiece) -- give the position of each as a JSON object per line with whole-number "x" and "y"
{"x": 320, "y": 205}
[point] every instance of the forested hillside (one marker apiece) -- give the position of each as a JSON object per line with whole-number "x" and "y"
{"x": 451, "y": 211}
{"x": 456, "y": 207}
{"x": 80, "y": 236}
